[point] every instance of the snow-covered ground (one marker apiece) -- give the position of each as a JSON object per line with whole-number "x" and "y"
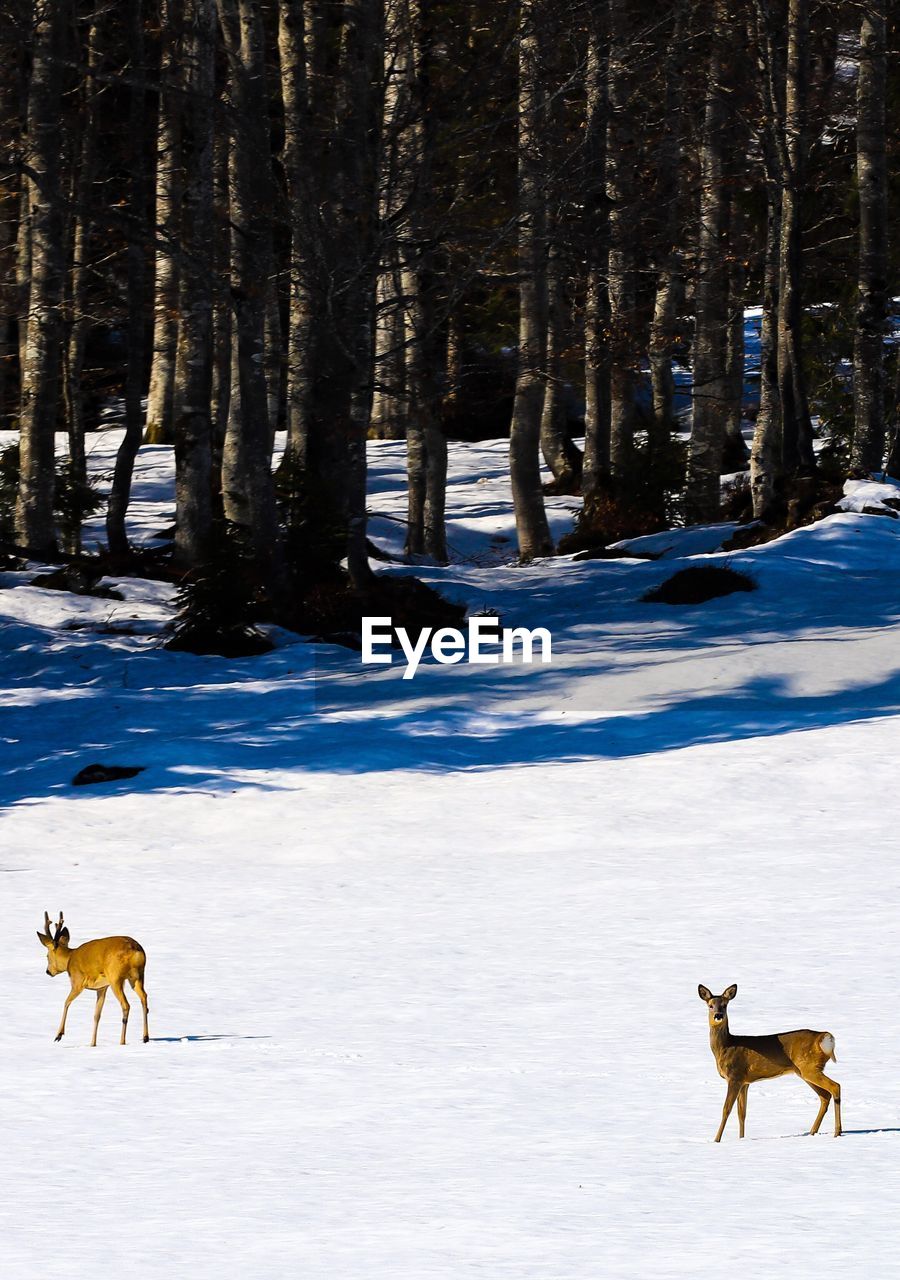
{"x": 423, "y": 956}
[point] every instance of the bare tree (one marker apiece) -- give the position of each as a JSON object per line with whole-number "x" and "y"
{"x": 43, "y": 345}
{"x": 871, "y": 314}
{"x": 160, "y": 398}
{"x": 193, "y": 361}
{"x": 621, "y": 161}
{"x": 531, "y": 518}
{"x": 248, "y": 490}
{"x": 710, "y": 385}
{"x": 595, "y": 470}
{"x": 78, "y": 322}
{"x": 797, "y": 439}
{"x": 137, "y": 267}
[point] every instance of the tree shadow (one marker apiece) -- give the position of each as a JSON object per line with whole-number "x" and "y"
{"x": 193, "y": 722}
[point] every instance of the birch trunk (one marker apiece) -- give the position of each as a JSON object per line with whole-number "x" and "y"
{"x": 560, "y": 454}
{"x": 389, "y": 401}
{"x": 710, "y": 381}
{"x": 161, "y": 394}
{"x": 765, "y": 455}
{"x": 871, "y": 313}
{"x": 300, "y": 163}
{"x": 41, "y": 370}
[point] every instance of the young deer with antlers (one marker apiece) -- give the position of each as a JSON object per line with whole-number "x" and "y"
{"x": 743, "y": 1059}
{"x": 96, "y": 966}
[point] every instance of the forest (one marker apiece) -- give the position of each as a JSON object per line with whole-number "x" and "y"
{"x": 439, "y": 220}
{"x": 449, "y": 560}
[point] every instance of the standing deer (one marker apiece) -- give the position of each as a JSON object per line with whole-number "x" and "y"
{"x": 96, "y": 966}
{"x": 743, "y": 1059}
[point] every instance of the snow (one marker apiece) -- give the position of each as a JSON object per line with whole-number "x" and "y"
{"x": 423, "y": 956}
{"x": 876, "y": 497}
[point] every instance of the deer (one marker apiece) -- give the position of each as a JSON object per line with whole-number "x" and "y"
{"x": 741, "y": 1060}
{"x": 96, "y": 966}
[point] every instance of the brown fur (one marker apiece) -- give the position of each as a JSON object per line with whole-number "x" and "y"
{"x": 97, "y": 966}
{"x": 741, "y": 1060}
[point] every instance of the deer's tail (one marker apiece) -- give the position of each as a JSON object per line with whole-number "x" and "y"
{"x": 826, "y": 1043}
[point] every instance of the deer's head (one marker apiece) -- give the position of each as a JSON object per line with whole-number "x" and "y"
{"x": 56, "y": 940}
{"x": 717, "y": 1005}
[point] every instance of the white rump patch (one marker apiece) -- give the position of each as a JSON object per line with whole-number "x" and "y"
{"x": 827, "y": 1043}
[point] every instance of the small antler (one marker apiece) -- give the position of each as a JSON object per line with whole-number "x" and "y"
{"x": 48, "y": 927}
{"x": 59, "y": 928}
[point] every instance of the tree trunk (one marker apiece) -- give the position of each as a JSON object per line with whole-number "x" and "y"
{"x": 621, "y": 162}
{"x": 524, "y": 439}
{"x": 871, "y": 313}
{"x": 670, "y": 275}
{"x": 79, "y": 322}
{"x": 161, "y": 395}
{"x": 222, "y": 339}
{"x": 389, "y": 402}
{"x": 797, "y": 440}
{"x": 765, "y": 455}
{"x": 248, "y": 491}
{"x": 193, "y": 367}
{"x": 710, "y": 382}
{"x": 41, "y": 370}
{"x": 362, "y": 57}
{"x": 407, "y": 47}
{"x": 273, "y": 361}
{"x": 560, "y": 454}
{"x": 120, "y": 490}
{"x": 736, "y": 453}
{"x": 300, "y": 164}
{"x": 12, "y": 111}
{"x": 23, "y": 272}
{"x": 595, "y": 469}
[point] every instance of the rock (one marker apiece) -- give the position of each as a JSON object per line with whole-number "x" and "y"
{"x": 699, "y": 584}
{"x": 93, "y": 774}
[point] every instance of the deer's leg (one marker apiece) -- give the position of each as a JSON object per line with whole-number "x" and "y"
{"x": 119, "y": 992}
{"x": 824, "y": 1099}
{"x": 742, "y": 1107}
{"x": 730, "y": 1098}
{"x": 76, "y": 991}
{"x": 138, "y": 985}
{"x": 821, "y": 1083}
{"x": 101, "y": 996}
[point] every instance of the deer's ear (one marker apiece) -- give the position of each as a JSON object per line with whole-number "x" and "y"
{"x": 64, "y": 937}
{"x": 704, "y": 993}
{"x": 730, "y": 992}
{"x": 43, "y": 937}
